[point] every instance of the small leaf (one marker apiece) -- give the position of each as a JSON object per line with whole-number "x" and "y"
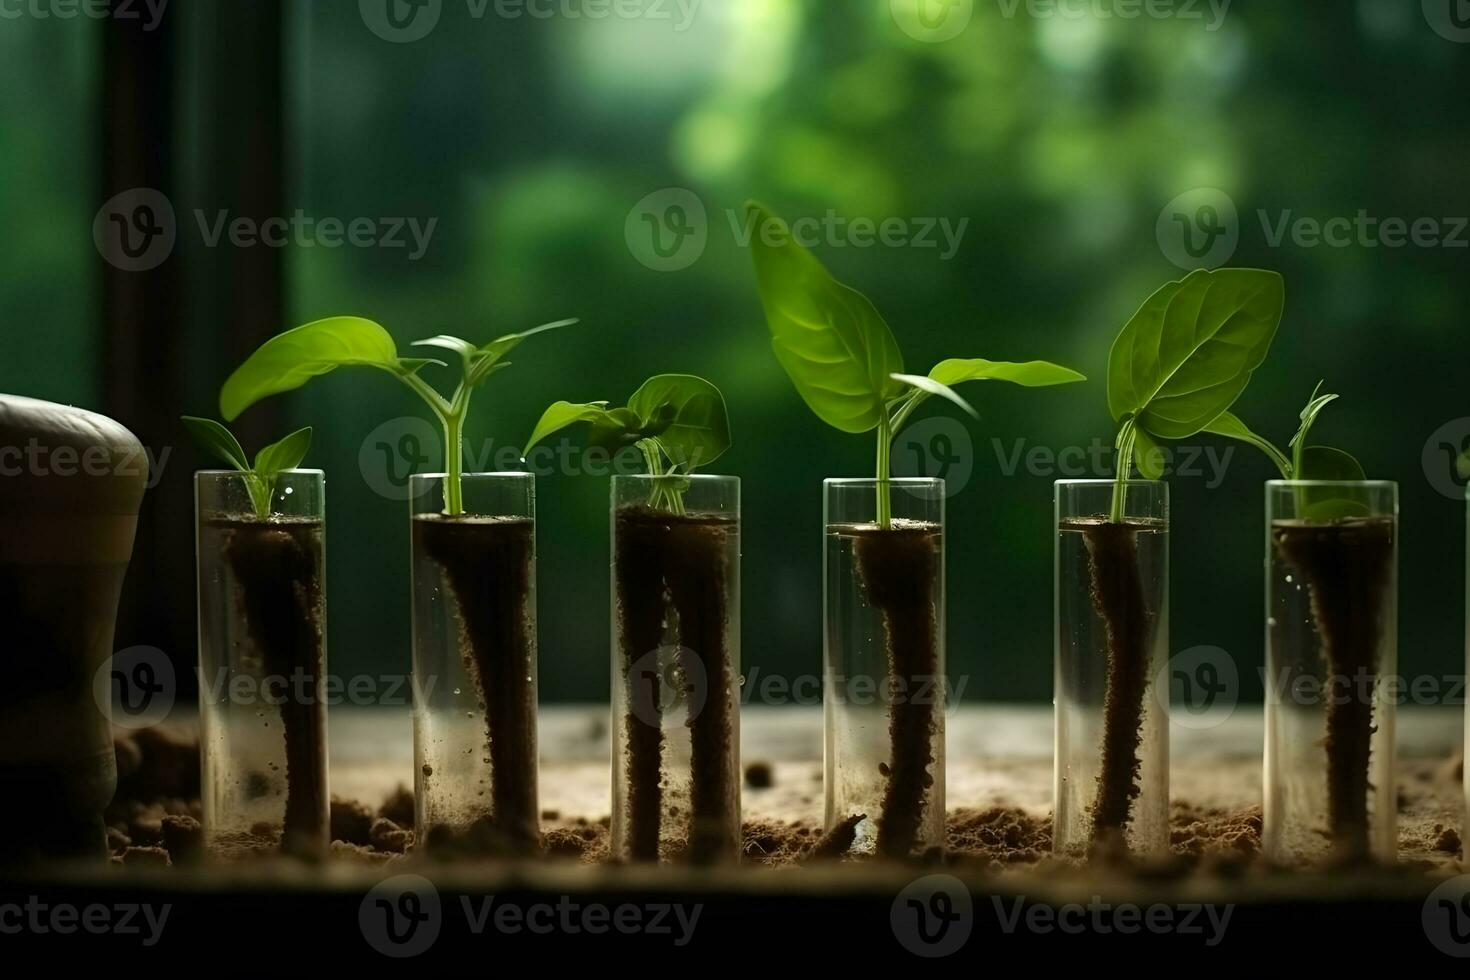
{"x": 286, "y": 454}
{"x": 932, "y": 387}
{"x": 1032, "y": 374}
{"x": 686, "y": 414}
{"x": 619, "y": 430}
{"x": 830, "y": 339}
{"x": 562, "y": 415}
{"x": 1309, "y": 414}
{"x": 1326, "y": 463}
{"x": 215, "y": 438}
{"x": 1147, "y": 455}
{"x": 291, "y": 359}
{"x": 1227, "y": 424}
{"x": 463, "y": 348}
{"x": 484, "y": 360}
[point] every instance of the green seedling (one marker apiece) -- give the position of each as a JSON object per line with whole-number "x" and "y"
{"x": 677, "y": 421}
{"x": 1316, "y": 464}
{"x": 843, "y": 358}
{"x": 1183, "y": 359}
{"x": 288, "y": 361}
{"x": 260, "y": 477}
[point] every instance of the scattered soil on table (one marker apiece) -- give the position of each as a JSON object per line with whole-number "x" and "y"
{"x": 896, "y": 568}
{"x": 487, "y": 567}
{"x": 671, "y": 572}
{"x": 1346, "y": 567}
{"x": 277, "y": 566}
{"x": 1119, "y": 598}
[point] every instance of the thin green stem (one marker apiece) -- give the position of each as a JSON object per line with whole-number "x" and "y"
{"x": 884, "y": 487}
{"x": 1124, "y": 469}
{"x": 453, "y": 465}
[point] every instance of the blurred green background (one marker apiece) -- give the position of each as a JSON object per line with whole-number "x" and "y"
{"x": 534, "y": 144}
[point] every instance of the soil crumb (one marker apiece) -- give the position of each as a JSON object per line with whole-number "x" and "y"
{"x": 759, "y": 775}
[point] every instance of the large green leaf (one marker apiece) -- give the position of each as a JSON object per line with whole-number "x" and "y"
{"x": 1188, "y": 353}
{"x": 1032, "y": 374}
{"x": 288, "y": 361}
{"x": 687, "y": 416}
{"x": 831, "y": 341}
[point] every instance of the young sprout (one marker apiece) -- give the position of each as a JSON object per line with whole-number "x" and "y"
{"x": 843, "y": 358}
{"x": 1182, "y": 361}
{"x": 677, "y": 421}
{"x": 293, "y": 358}
{"x": 259, "y": 478}
{"x": 1306, "y": 462}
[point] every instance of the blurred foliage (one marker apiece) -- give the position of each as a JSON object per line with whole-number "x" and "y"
{"x": 1060, "y": 139}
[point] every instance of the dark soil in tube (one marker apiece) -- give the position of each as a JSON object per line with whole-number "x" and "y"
{"x": 672, "y": 583}
{"x": 1119, "y": 600}
{"x": 277, "y": 566}
{"x": 487, "y": 566}
{"x": 1346, "y": 567}
{"x": 897, "y": 569}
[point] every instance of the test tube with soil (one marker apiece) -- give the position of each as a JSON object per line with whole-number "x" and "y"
{"x": 263, "y": 662}
{"x": 1112, "y": 646}
{"x": 884, "y": 686}
{"x": 1331, "y": 654}
{"x": 474, "y": 666}
{"x": 676, "y": 668}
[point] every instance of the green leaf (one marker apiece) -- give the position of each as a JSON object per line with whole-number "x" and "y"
{"x": 1147, "y": 455}
{"x": 929, "y": 386}
{"x": 215, "y": 438}
{"x": 620, "y": 429}
{"x": 1309, "y": 414}
{"x": 833, "y": 344}
{"x": 485, "y": 360}
{"x": 563, "y": 415}
{"x": 463, "y": 348}
{"x": 1189, "y": 351}
{"x": 686, "y": 414}
{"x": 284, "y": 455}
{"x": 288, "y": 361}
{"x": 1227, "y": 424}
{"x": 1326, "y": 463}
{"x": 1032, "y": 374}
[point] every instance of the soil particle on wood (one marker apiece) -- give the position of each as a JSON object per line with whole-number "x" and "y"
{"x": 277, "y": 565}
{"x": 486, "y": 563}
{"x": 672, "y": 575}
{"x": 1346, "y": 567}
{"x": 897, "y": 569}
{"x": 1119, "y": 598}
